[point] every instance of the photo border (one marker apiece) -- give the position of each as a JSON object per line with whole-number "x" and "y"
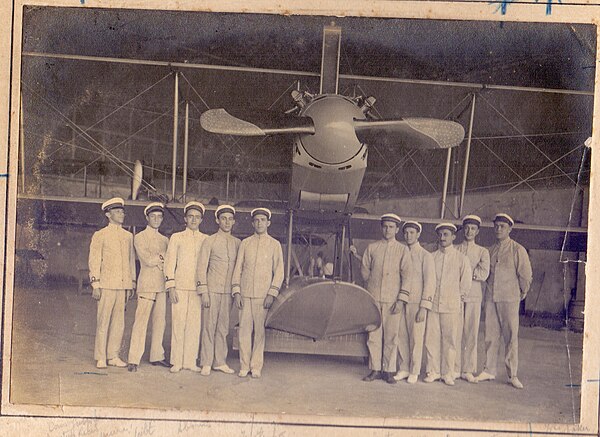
{"x": 10, "y": 64}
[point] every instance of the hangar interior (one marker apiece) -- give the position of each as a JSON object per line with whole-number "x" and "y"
{"x": 102, "y": 89}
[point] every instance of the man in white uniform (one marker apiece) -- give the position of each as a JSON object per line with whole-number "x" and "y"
{"x": 112, "y": 276}
{"x": 453, "y": 282}
{"x": 420, "y": 302}
{"x": 507, "y": 285}
{"x": 468, "y": 322}
{"x": 386, "y": 269}
{"x": 215, "y": 269}
{"x": 257, "y": 278}
{"x": 181, "y": 262}
{"x": 150, "y": 247}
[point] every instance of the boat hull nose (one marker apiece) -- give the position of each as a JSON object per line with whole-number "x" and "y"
{"x": 319, "y": 308}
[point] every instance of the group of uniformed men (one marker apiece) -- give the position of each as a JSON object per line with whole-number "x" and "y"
{"x": 428, "y": 301}
{"x": 433, "y": 301}
{"x": 201, "y": 274}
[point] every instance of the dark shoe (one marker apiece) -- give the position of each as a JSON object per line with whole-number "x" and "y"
{"x": 132, "y": 367}
{"x": 160, "y": 363}
{"x": 389, "y": 378}
{"x": 375, "y": 374}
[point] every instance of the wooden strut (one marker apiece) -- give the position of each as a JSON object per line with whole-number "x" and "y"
{"x": 288, "y": 261}
{"x": 175, "y": 135}
{"x": 350, "y": 243}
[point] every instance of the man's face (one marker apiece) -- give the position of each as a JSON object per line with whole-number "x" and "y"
{"x": 389, "y": 230}
{"x": 445, "y": 237}
{"x": 116, "y": 216}
{"x": 470, "y": 230}
{"x": 225, "y": 220}
{"x": 154, "y": 219}
{"x": 411, "y": 235}
{"x": 502, "y": 230}
{"x": 260, "y": 223}
{"x": 193, "y": 218}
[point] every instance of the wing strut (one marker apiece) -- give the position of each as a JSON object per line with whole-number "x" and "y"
{"x": 288, "y": 261}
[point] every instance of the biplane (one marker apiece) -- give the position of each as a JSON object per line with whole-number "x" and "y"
{"x": 328, "y": 135}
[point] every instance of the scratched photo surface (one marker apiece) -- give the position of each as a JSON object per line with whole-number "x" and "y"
{"x": 103, "y": 92}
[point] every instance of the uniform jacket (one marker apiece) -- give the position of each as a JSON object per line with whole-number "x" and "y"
{"x": 510, "y": 271}
{"x": 112, "y": 259}
{"x": 258, "y": 270}
{"x": 181, "y": 259}
{"x": 480, "y": 264}
{"x": 453, "y": 280}
{"x": 422, "y": 284}
{"x": 216, "y": 263}
{"x": 387, "y": 270}
{"x": 151, "y": 247}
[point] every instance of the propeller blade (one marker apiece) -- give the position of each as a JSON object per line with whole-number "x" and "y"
{"x": 136, "y": 182}
{"x": 416, "y": 133}
{"x": 219, "y": 121}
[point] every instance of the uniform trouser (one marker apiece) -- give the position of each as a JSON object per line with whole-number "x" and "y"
{"x": 186, "y": 317}
{"x": 383, "y": 342}
{"x": 110, "y": 322}
{"x": 252, "y": 318}
{"x": 215, "y": 330}
{"x": 501, "y": 319}
{"x": 410, "y": 340}
{"x": 155, "y": 303}
{"x": 467, "y": 333}
{"x": 440, "y": 342}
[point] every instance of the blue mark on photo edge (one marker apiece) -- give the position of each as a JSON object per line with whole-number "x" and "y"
{"x": 549, "y": 6}
{"x": 3, "y": 175}
{"x": 503, "y": 5}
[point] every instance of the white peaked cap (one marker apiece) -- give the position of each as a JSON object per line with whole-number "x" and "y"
{"x": 153, "y": 207}
{"x": 193, "y": 205}
{"x": 115, "y": 202}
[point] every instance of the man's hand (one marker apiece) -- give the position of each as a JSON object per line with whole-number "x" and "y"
{"x": 237, "y": 300}
{"x": 128, "y": 294}
{"x": 97, "y": 293}
{"x": 205, "y": 300}
{"x": 421, "y": 315}
{"x": 268, "y": 301}
{"x": 354, "y": 252}
{"x": 397, "y": 307}
{"x": 173, "y": 297}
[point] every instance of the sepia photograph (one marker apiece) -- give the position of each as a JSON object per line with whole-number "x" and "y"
{"x": 308, "y": 217}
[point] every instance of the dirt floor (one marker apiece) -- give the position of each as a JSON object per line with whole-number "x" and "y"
{"x": 52, "y": 351}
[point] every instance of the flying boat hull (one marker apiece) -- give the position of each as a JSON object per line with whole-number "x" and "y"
{"x": 319, "y": 308}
